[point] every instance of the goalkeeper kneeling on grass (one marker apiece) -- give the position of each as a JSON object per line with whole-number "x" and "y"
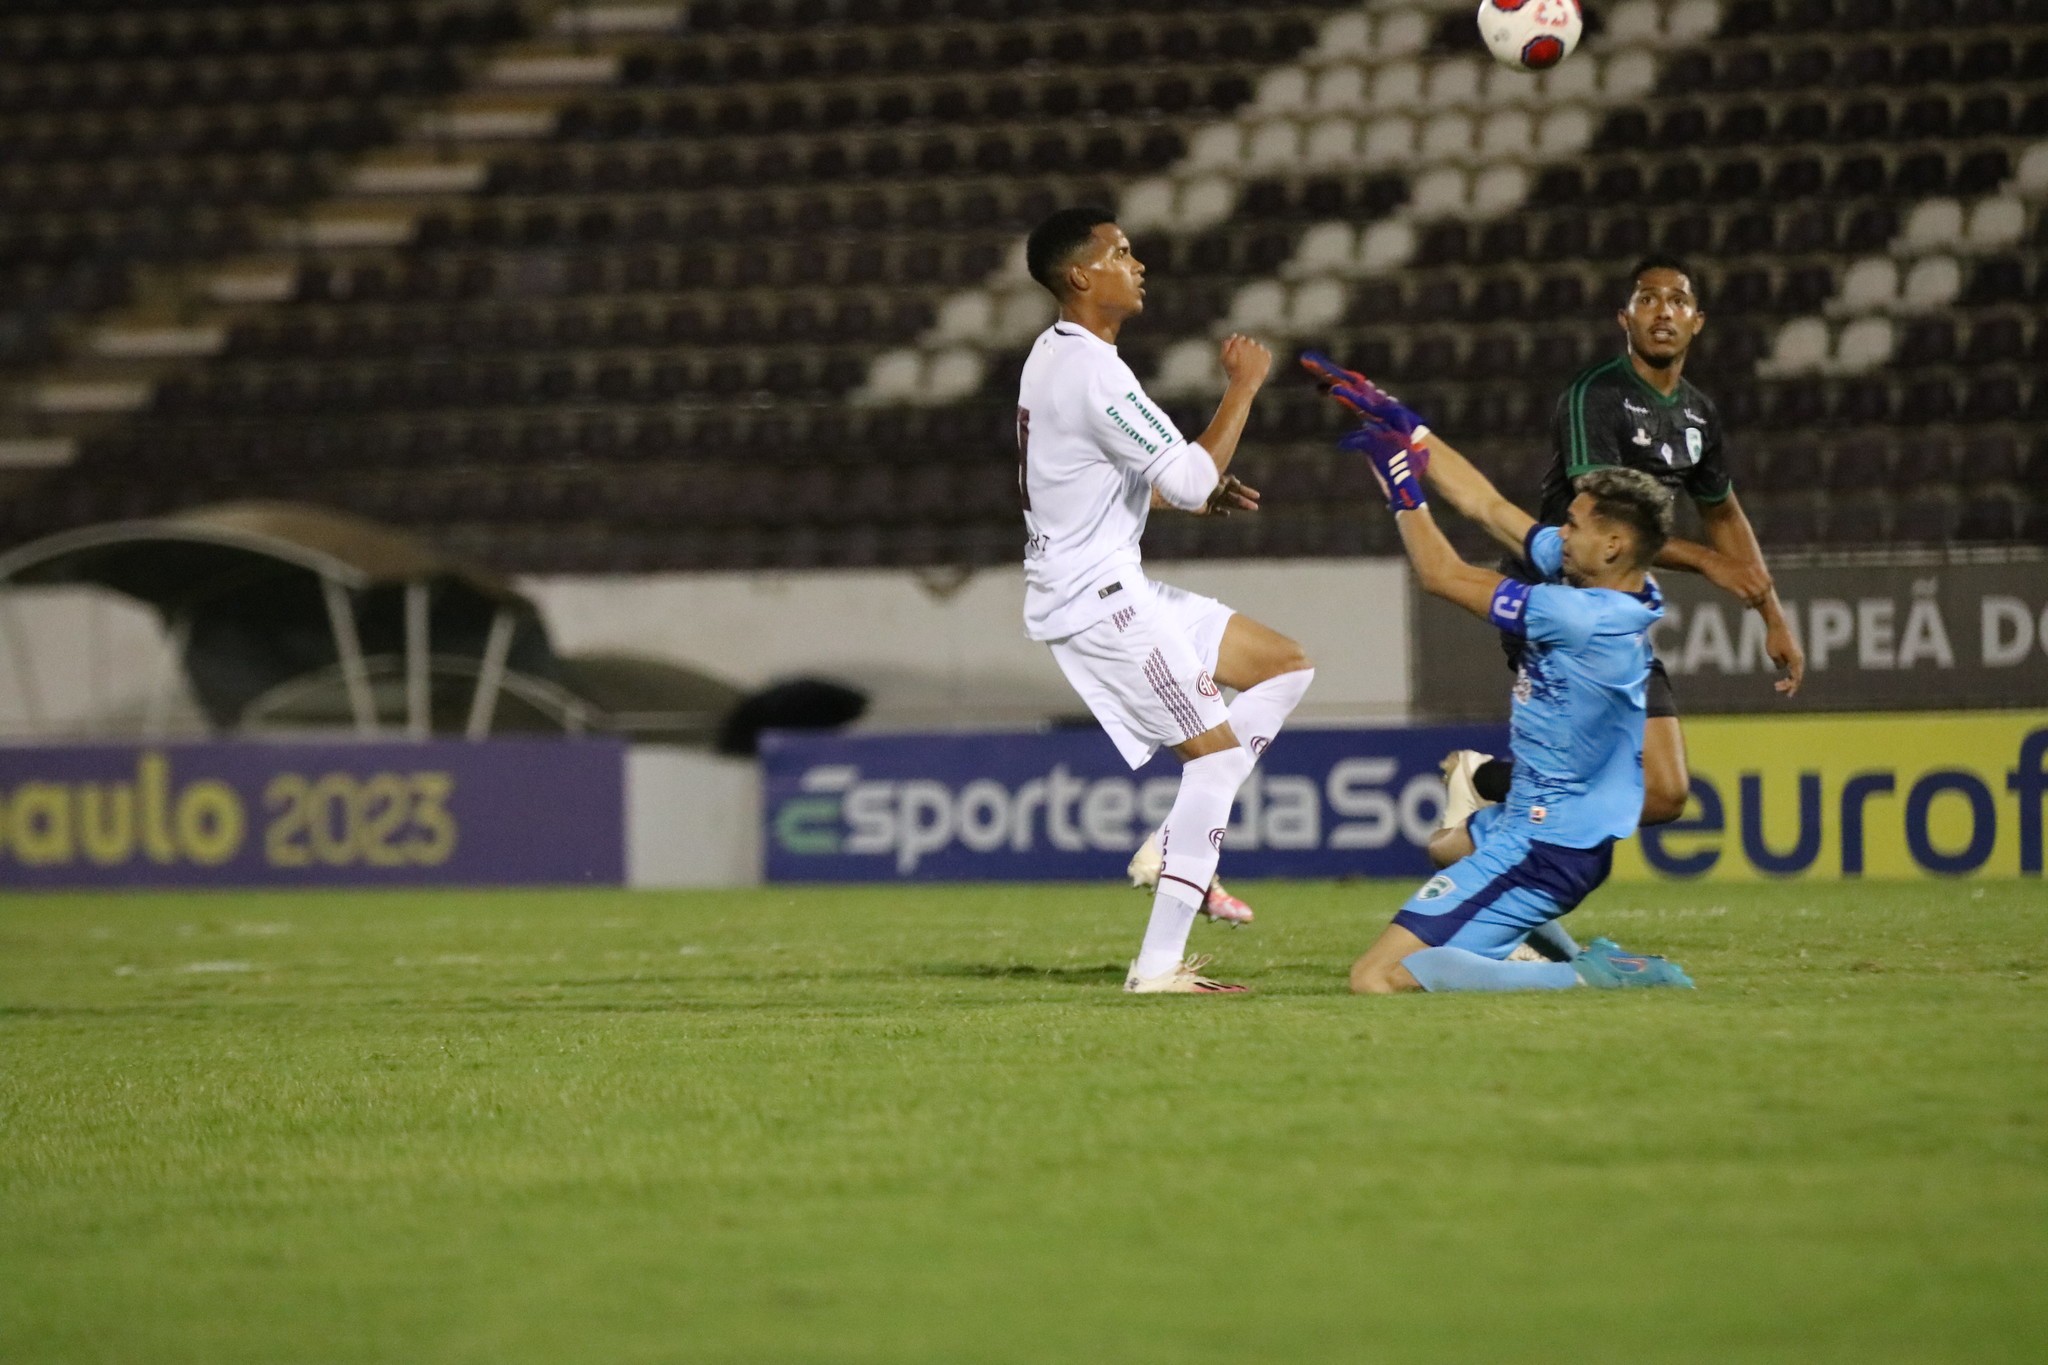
{"x": 1577, "y": 727}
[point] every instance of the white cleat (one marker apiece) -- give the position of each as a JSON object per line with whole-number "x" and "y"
{"x": 1184, "y": 979}
{"x": 1219, "y": 905}
{"x": 1461, "y": 798}
{"x": 1524, "y": 953}
{"x": 1146, "y": 864}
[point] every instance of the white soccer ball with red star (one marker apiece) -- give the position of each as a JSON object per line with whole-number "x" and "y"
{"x": 1530, "y": 35}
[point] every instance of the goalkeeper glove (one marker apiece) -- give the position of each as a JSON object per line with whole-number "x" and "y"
{"x": 1398, "y": 461}
{"x": 1362, "y": 396}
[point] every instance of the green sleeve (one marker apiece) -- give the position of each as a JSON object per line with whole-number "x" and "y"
{"x": 1589, "y": 422}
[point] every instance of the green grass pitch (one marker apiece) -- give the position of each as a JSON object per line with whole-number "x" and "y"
{"x": 923, "y": 1125}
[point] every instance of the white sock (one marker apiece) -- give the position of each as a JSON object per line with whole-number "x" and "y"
{"x": 1193, "y": 837}
{"x": 1259, "y": 712}
{"x": 1166, "y": 933}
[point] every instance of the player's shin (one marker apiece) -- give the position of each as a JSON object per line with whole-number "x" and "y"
{"x": 1193, "y": 838}
{"x": 1166, "y": 933}
{"x": 1455, "y": 969}
{"x": 1259, "y": 711}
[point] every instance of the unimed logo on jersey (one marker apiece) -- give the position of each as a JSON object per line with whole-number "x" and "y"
{"x": 1149, "y": 417}
{"x": 1062, "y": 806}
{"x": 1123, "y": 424}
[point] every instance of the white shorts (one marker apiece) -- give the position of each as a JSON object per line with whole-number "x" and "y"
{"x": 1148, "y": 672}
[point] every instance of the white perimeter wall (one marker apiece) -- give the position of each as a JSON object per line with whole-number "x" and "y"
{"x": 941, "y": 652}
{"x": 81, "y": 662}
{"x": 931, "y": 650}
{"x": 692, "y": 818}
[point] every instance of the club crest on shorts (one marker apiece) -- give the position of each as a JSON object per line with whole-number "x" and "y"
{"x": 1538, "y": 814}
{"x": 1205, "y": 684}
{"x": 1436, "y": 888}
{"x": 1258, "y": 745}
{"x": 1216, "y": 839}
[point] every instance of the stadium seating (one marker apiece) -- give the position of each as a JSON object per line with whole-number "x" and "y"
{"x": 138, "y": 135}
{"x": 745, "y": 290}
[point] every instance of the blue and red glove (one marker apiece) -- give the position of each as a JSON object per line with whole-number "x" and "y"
{"x": 1362, "y": 396}
{"x": 1398, "y": 460}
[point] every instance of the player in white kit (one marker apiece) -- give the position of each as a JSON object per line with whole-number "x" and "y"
{"x": 1094, "y": 456}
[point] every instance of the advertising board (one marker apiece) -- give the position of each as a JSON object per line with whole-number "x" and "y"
{"x": 1878, "y": 637}
{"x": 1827, "y": 797}
{"x": 1060, "y": 805}
{"x": 499, "y": 813}
{"x": 1837, "y": 797}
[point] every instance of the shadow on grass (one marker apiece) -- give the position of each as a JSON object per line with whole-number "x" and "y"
{"x": 998, "y": 971}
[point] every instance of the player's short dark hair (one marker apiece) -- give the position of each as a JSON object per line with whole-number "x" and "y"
{"x": 1665, "y": 261}
{"x": 1054, "y": 242}
{"x": 1631, "y": 498}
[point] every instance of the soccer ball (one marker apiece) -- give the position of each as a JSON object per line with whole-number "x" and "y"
{"x": 1530, "y": 35}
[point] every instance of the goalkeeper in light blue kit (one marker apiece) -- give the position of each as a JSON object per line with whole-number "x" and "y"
{"x": 1577, "y": 727}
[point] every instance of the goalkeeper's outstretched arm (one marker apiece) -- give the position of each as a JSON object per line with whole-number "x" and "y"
{"x": 1462, "y": 485}
{"x": 1400, "y": 456}
{"x": 1448, "y": 472}
{"x": 1438, "y": 567}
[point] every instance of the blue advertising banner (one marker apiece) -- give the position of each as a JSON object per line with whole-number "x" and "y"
{"x": 1062, "y": 805}
{"x": 440, "y": 813}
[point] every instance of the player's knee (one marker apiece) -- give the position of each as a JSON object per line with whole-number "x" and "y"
{"x": 1291, "y": 658}
{"x": 1275, "y": 658}
{"x": 1373, "y": 978}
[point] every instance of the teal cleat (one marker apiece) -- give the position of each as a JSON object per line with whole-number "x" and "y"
{"x": 1604, "y": 966}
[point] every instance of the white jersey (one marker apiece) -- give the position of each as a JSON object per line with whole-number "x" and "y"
{"x": 1090, "y": 445}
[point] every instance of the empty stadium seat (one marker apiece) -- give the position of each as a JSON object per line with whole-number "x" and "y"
{"x": 783, "y": 199}
{"x": 1861, "y": 518}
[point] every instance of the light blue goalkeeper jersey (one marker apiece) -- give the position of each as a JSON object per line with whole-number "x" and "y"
{"x": 1577, "y": 729}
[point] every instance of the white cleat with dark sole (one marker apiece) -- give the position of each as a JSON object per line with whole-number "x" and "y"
{"x": 1219, "y": 905}
{"x": 1184, "y": 979}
